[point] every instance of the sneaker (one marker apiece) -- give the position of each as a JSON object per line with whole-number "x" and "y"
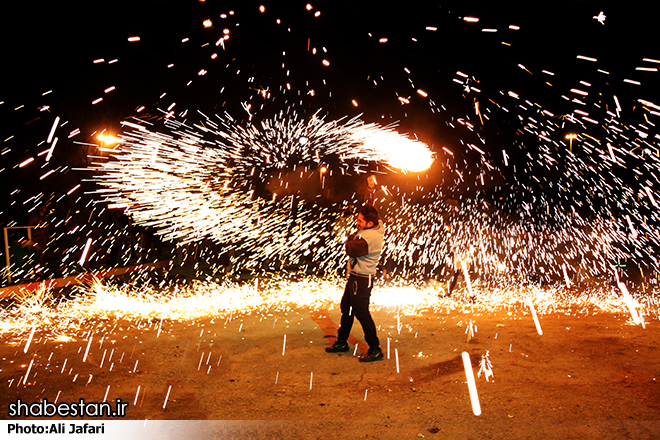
{"x": 373, "y": 354}
{"x": 337, "y": 347}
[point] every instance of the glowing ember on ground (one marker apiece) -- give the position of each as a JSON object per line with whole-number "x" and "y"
{"x": 98, "y": 304}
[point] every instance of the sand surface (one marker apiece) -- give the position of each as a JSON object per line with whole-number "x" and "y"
{"x": 589, "y": 375}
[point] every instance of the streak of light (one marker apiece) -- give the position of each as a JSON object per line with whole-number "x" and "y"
{"x": 637, "y": 319}
{"x": 532, "y": 310}
{"x": 167, "y": 396}
{"x": 472, "y": 386}
{"x": 50, "y": 150}
{"x": 137, "y": 393}
{"x": 582, "y": 57}
{"x": 29, "y": 339}
{"x": 83, "y": 257}
{"x": 89, "y": 343}
{"x": 52, "y": 130}
{"x": 26, "y": 162}
{"x": 27, "y": 373}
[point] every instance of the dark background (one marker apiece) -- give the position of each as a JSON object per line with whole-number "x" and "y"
{"x": 51, "y": 46}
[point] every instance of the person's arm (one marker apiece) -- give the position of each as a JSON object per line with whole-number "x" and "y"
{"x": 357, "y": 247}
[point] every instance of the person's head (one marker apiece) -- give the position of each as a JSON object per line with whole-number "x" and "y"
{"x": 371, "y": 181}
{"x": 367, "y": 217}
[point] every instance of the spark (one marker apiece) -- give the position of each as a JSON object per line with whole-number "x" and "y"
{"x": 485, "y": 367}
{"x": 50, "y": 150}
{"x": 167, "y": 396}
{"x": 472, "y": 386}
{"x": 27, "y": 373}
{"x": 530, "y": 303}
{"x": 89, "y": 343}
{"x": 26, "y": 162}
{"x": 637, "y": 319}
{"x": 53, "y": 128}
{"x": 582, "y": 57}
{"x": 199, "y": 206}
{"x": 29, "y": 339}
{"x": 83, "y": 257}
{"x": 189, "y": 182}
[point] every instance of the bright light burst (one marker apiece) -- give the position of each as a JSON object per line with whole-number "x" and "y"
{"x": 399, "y": 151}
{"x": 198, "y": 182}
{"x": 102, "y": 304}
{"x": 553, "y": 211}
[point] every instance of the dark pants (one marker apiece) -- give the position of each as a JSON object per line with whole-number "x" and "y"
{"x": 454, "y": 279}
{"x": 355, "y": 304}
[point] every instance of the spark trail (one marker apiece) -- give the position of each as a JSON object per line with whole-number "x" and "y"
{"x": 189, "y": 187}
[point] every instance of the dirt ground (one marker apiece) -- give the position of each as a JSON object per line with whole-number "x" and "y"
{"x": 587, "y": 376}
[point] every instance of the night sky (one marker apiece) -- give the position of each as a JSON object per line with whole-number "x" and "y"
{"x": 430, "y": 50}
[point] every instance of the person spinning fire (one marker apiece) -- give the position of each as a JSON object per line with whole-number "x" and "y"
{"x": 363, "y": 248}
